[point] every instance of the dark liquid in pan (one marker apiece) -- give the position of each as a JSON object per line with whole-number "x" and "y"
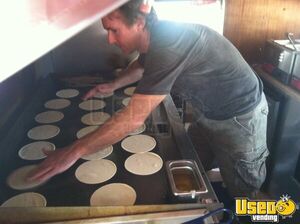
{"x": 185, "y": 180}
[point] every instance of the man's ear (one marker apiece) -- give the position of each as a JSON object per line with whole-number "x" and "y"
{"x": 141, "y": 23}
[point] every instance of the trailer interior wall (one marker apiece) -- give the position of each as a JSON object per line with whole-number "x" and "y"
{"x": 249, "y": 23}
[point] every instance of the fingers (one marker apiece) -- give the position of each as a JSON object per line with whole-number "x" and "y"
{"x": 89, "y": 94}
{"x": 43, "y": 172}
{"x": 57, "y": 162}
{"x": 103, "y": 88}
{"x": 47, "y": 152}
{"x": 45, "y": 175}
{"x": 39, "y": 173}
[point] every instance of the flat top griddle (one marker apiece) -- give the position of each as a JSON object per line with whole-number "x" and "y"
{"x": 64, "y": 189}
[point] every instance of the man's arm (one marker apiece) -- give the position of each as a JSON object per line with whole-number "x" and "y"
{"x": 115, "y": 129}
{"x": 132, "y": 74}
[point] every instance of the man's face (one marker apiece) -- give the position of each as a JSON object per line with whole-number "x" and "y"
{"x": 120, "y": 34}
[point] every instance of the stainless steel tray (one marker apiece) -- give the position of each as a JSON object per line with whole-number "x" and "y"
{"x": 185, "y": 179}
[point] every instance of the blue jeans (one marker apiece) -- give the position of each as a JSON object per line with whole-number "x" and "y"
{"x": 239, "y": 147}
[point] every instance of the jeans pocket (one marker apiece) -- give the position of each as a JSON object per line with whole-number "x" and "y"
{"x": 244, "y": 122}
{"x": 251, "y": 167}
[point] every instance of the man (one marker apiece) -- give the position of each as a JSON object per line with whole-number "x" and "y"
{"x": 202, "y": 66}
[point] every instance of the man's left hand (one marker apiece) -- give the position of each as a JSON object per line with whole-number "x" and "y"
{"x": 56, "y": 162}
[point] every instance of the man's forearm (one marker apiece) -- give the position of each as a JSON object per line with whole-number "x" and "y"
{"x": 133, "y": 73}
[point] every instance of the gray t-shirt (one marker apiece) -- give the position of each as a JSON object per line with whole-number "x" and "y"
{"x": 202, "y": 66}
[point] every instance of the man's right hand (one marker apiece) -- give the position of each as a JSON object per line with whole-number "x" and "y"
{"x": 101, "y": 88}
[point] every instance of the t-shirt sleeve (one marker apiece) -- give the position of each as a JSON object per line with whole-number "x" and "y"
{"x": 161, "y": 69}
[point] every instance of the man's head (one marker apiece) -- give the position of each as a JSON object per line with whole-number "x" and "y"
{"x": 127, "y": 27}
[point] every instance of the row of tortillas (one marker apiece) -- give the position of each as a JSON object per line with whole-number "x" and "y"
{"x": 144, "y": 163}
{"x": 133, "y": 144}
{"x": 34, "y": 151}
{"x": 94, "y": 118}
{"x": 70, "y": 93}
{"x": 115, "y": 194}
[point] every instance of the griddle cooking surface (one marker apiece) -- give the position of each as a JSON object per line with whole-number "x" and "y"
{"x": 64, "y": 189}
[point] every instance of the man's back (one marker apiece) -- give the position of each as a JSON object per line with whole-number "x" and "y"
{"x": 201, "y": 65}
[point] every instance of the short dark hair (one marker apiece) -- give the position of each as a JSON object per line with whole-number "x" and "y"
{"x": 131, "y": 11}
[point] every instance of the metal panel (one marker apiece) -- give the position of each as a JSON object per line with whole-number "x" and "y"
{"x": 31, "y": 28}
{"x": 88, "y": 52}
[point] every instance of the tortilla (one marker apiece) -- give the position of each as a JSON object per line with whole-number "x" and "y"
{"x": 34, "y": 150}
{"x": 143, "y": 163}
{"x": 67, "y": 93}
{"x": 84, "y": 131}
{"x": 129, "y": 91}
{"x": 92, "y": 105}
{"x": 138, "y": 143}
{"x": 48, "y": 117}
{"x": 57, "y": 104}
{"x": 116, "y": 194}
{"x": 17, "y": 179}
{"x": 43, "y": 132}
{"x": 28, "y": 199}
{"x": 96, "y": 171}
{"x": 103, "y": 95}
{"x": 126, "y": 101}
{"x": 100, "y": 154}
{"x": 139, "y": 130}
{"x": 95, "y": 118}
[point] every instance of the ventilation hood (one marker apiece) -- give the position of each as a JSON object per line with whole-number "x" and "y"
{"x": 31, "y": 28}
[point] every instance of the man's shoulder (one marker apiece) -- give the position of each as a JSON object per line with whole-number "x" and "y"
{"x": 167, "y": 28}
{"x": 166, "y": 34}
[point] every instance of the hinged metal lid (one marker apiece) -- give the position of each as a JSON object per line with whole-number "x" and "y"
{"x": 31, "y": 28}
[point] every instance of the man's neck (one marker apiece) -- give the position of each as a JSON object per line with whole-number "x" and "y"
{"x": 145, "y": 41}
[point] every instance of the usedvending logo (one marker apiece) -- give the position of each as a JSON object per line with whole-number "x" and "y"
{"x": 265, "y": 211}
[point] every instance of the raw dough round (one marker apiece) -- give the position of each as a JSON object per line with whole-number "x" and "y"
{"x": 17, "y": 179}
{"x": 57, "y": 104}
{"x": 96, "y": 171}
{"x": 92, "y": 105}
{"x": 67, "y": 93}
{"x": 129, "y": 91}
{"x": 43, "y": 132}
{"x": 104, "y": 95}
{"x": 143, "y": 163}
{"x": 95, "y": 118}
{"x": 84, "y": 131}
{"x": 34, "y": 150}
{"x": 138, "y": 143}
{"x": 28, "y": 199}
{"x": 139, "y": 130}
{"x": 116, "y": 194}
{"x": 99, "y": 154}
{"x": 126, "y": 101}
{"x": 48, "y": 117}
